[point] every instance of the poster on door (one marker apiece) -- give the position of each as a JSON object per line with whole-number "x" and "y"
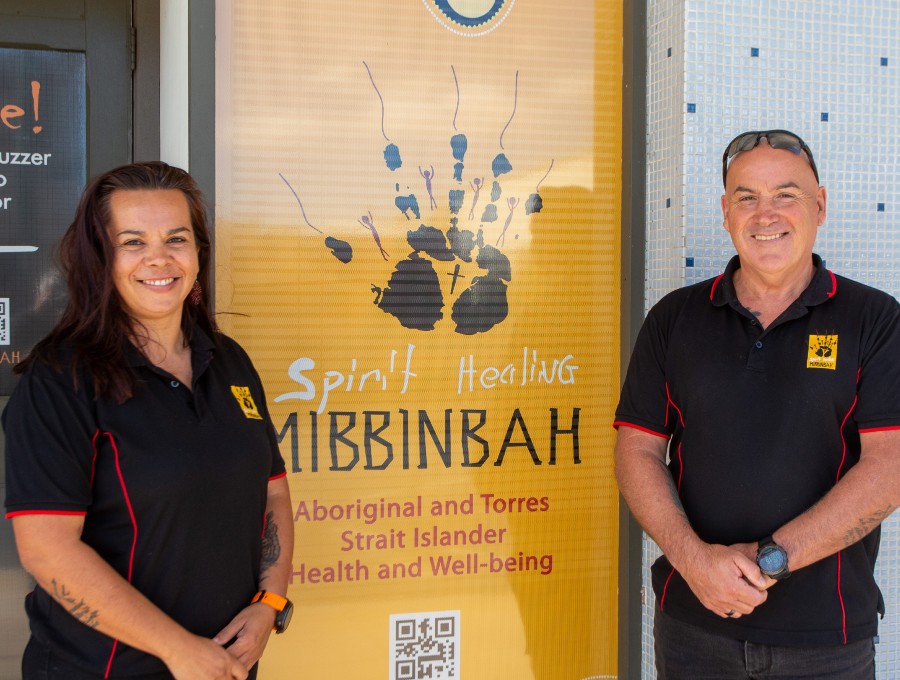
{"x": 43, "y": 167}
{"x": 417, "y": 241}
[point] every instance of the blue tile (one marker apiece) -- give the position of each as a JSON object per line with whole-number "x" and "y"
{"x": 669, "y": 52}
{"x": 692, "y": 108}
{"x": 754, "y": 51}
{"x": 881, "y": 207}
{"x": 824, "y": 116}
{"x": 689, "y": 262}
{"x": 668, "y": 202}
{"x": 884, "y": 61}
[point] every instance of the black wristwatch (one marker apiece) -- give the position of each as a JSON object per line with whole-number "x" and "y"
{"x": 772, "y": 559}
{"x": 283, "y": 607}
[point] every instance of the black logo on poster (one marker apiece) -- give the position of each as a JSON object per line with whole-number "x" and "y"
{"x": 481, "y": 215}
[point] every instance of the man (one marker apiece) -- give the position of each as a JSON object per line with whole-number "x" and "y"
{"x": 773, "y": 391}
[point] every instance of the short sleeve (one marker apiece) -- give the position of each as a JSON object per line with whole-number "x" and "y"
{"x": 278, "y": 467}
{"x": 878, "y": 389}
{"x": 644, "y": 403}
{"x": 49, "y": 429}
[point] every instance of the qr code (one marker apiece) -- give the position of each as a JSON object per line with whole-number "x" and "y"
{"x": 425, "y": 646}
{"x": 4, "y": 321}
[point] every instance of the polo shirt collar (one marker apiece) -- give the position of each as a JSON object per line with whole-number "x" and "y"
{"x": 202, "y": 348}
{"x": 822, "y": 287}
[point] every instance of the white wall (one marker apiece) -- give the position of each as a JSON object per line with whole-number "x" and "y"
{"x": 829, "y": 71}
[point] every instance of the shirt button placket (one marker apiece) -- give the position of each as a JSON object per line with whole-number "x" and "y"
{"x": 756, "y": 358}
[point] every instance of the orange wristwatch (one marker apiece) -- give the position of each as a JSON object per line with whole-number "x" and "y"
{"x": 283, "y": 607}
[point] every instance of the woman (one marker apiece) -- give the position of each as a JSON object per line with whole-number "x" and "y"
{"x": 147, "y": 495}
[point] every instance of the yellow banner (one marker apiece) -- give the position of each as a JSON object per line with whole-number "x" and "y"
{"x": 417, "y": 241}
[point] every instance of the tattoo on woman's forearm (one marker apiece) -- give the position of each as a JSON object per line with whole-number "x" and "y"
{"x": 866, "y": 524}
{"x": 77, "y": 607}
{"x": 271, "y": 548}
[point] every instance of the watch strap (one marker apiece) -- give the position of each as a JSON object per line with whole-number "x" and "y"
{"x": 283, "y": 607}
{"x": 275, "y": 601}
{"x": 763, "y": 542}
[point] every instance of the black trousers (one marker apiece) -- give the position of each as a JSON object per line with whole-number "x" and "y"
{"x": 686, "y": 652}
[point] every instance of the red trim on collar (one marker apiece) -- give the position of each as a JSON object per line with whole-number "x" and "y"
{"x": 833, "y": 283}
{"x": 712, "y": 290}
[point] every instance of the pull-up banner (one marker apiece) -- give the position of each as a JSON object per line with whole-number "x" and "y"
{"x": 42, "y": 173}
{"x": 417, "y": 242}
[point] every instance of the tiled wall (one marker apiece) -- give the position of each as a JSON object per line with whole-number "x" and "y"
{"x": 828, "y": 70}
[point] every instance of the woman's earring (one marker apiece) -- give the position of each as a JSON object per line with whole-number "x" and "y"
{"x": 196, "y": 294}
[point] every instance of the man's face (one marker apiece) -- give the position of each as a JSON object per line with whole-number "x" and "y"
{"x": 773, "y": 207}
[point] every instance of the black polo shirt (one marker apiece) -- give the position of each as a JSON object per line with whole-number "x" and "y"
{"x": 763, "y": 422}
{"x": 172, "y": 484}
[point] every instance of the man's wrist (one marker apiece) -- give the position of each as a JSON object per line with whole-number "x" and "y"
{"x": 689, "y": 552}
{"x": 772, "y": 559}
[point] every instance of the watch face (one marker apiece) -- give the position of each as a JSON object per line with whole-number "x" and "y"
{"x": 283, "y": 618}
{"x": 772, "y": 560}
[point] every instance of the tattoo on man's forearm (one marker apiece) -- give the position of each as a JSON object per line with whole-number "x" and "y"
{"x": 77, "y": 607}
{"x": 866, "y": 524}
{"x": 271, "y": 548}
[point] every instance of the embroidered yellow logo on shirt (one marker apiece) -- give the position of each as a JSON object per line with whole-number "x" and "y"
{"x": 245, "y": 401}
{"x": 822, "y": 352}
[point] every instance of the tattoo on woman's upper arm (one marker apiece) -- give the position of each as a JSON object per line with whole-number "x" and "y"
{"x": 271, "y": 547}
{"x": 76, "y": 606}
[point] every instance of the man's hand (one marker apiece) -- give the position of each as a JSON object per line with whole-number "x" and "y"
{"x": 750, "y": 550}
{"x": 725, "y": 580}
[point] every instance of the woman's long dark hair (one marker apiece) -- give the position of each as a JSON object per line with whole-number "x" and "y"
{"x": 95, "y": 327}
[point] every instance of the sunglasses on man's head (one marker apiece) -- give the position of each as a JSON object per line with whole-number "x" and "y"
{"x": 777, "y": 139}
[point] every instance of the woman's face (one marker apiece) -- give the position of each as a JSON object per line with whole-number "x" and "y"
{"x": 156, "y": 261}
